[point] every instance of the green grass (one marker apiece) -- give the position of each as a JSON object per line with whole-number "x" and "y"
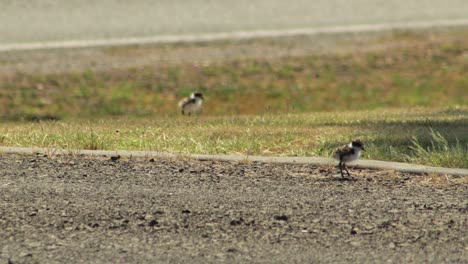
{"x": 425, "y": 136}
{"x": 440, "y": 152}
{"x": 414, "y": 71}
{"x": 407, "y": 101}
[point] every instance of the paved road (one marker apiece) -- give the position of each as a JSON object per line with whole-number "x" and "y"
{"x": 73, "y": 209}
{"x": 57, "y": 20}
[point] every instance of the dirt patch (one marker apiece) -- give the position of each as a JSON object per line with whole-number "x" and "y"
{"x": 77, "y": 209}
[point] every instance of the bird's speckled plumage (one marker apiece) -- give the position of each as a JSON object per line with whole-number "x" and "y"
{"x": 192, "y": 104}
{"x": 348, "y": 153}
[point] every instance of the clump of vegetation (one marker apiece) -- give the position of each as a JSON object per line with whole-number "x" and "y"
{"x": 439, "y": 152}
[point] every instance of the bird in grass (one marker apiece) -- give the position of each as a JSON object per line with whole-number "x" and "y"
{"x": 192, "y": 104}
{"x": 348, "y": 153}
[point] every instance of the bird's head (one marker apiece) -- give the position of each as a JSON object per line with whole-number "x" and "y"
{"x": 197, "y": 95}
{"x": 358, "y": 144}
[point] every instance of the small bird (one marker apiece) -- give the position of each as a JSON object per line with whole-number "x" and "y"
{"x": 192, "y": 104}
{"x": 348, "y": 153}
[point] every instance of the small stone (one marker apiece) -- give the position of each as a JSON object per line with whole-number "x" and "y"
{"x": 186, "y": 211}
{"x": 93, "y": 225}
{"x": 281, "y": 217}
{"x": 33, "y": 244}
{"x": 236, "y": 222}
{"x": 51, "y": 247}
{"x": 152, "y": 160}
{"x": 114, "y": 158}
{"x": 355, "y": 243}
{"x": 451, "y": 223}
{"x": 24, "y": 254}
{"x": 153, "y": 222}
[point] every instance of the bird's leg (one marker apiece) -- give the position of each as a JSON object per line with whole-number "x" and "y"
{"x": 346, "y": 169}
{"x": 341, "y": 169}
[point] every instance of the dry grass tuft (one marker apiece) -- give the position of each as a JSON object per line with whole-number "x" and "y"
{"x": 438, "y": 180}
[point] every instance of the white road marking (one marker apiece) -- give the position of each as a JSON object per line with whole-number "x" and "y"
{"x": 239, "y": 35}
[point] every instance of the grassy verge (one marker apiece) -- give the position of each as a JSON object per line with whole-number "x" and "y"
{"x": 425, "y": 136}
{"x": 403, "y": 70}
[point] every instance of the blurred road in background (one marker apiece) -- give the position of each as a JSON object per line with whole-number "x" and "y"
{"x": 79, "y": 20}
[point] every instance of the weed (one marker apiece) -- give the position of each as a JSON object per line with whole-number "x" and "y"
{"x": 438, "y": 151}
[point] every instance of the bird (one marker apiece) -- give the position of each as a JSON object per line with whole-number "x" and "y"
{"x": 348, "y": 153}
{"x": 192, "y": 104}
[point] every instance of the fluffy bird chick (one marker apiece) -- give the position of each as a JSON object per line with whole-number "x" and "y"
{"x": 348, "y": 153}
{"x": 192, "y": 104}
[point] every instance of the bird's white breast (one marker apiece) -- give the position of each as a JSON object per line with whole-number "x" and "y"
{"x": 352, "y": 157}
{"x": 193, "y": 107}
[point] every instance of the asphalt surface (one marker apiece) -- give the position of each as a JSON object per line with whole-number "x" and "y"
{"x": 79, "y": 209}
{"x": 55, "y": 20}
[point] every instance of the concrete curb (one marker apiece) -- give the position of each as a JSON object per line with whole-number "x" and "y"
{"x": 365, "y": 164}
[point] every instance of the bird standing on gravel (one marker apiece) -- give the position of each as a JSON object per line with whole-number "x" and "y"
{"x": 348, "y": 153}
{"x": 192, "y": 104}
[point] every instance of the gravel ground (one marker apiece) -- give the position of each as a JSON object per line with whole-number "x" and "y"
{"x": 79, "y": 209}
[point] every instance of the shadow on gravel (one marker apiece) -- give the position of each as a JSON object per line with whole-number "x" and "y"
{"x": 338, "y": 179}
